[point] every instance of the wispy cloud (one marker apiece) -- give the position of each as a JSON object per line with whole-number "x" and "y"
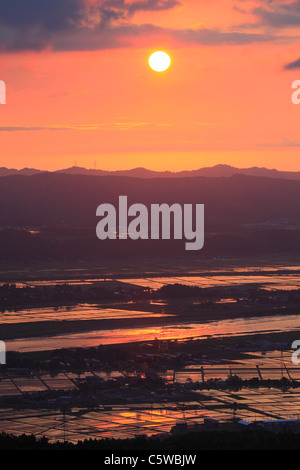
{"x": 293, "y": 65}
{"x": 91, "y": 127}
{"x": 30, "y": 128}
{"x": 284, "y": 142}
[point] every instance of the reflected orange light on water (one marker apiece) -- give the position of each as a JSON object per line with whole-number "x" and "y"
{"x": 182, "y": 331}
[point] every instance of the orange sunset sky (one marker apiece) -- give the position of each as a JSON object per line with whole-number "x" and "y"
{"x": 79, "y": 87}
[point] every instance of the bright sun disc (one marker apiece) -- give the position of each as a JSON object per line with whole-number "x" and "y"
{"x": 159, "y": 61}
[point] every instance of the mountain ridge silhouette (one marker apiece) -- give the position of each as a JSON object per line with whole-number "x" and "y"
{"x": 220, "y": 170}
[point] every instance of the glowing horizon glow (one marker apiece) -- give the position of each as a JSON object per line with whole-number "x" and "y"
{"x": 159, "y": 61}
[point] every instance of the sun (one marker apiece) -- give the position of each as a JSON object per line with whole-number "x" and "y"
{"x": 159, "y": 61}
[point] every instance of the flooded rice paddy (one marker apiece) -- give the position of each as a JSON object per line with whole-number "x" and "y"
{"x": 130, "y": 420}
{"x": 268, "y": 277}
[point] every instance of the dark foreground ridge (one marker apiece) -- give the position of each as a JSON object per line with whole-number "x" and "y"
{"x": 52, "y": 216}
{"x": 212, "y": 440}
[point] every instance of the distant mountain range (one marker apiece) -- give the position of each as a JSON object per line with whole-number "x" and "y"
{"x": 214, "y": 171}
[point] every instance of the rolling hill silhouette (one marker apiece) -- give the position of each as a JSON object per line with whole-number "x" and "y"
{"x": 243, "y": 214}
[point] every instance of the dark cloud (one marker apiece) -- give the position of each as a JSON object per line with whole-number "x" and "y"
{"x": 293, "y": 65}
{"x": 152, "y": 5}
{"x": 65, "y": 25}
{"x": 58, "y": 15}
{"x": 278, "y": 14}
{"x": 36, "y": 24}
{"x": 47, "y": 15}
